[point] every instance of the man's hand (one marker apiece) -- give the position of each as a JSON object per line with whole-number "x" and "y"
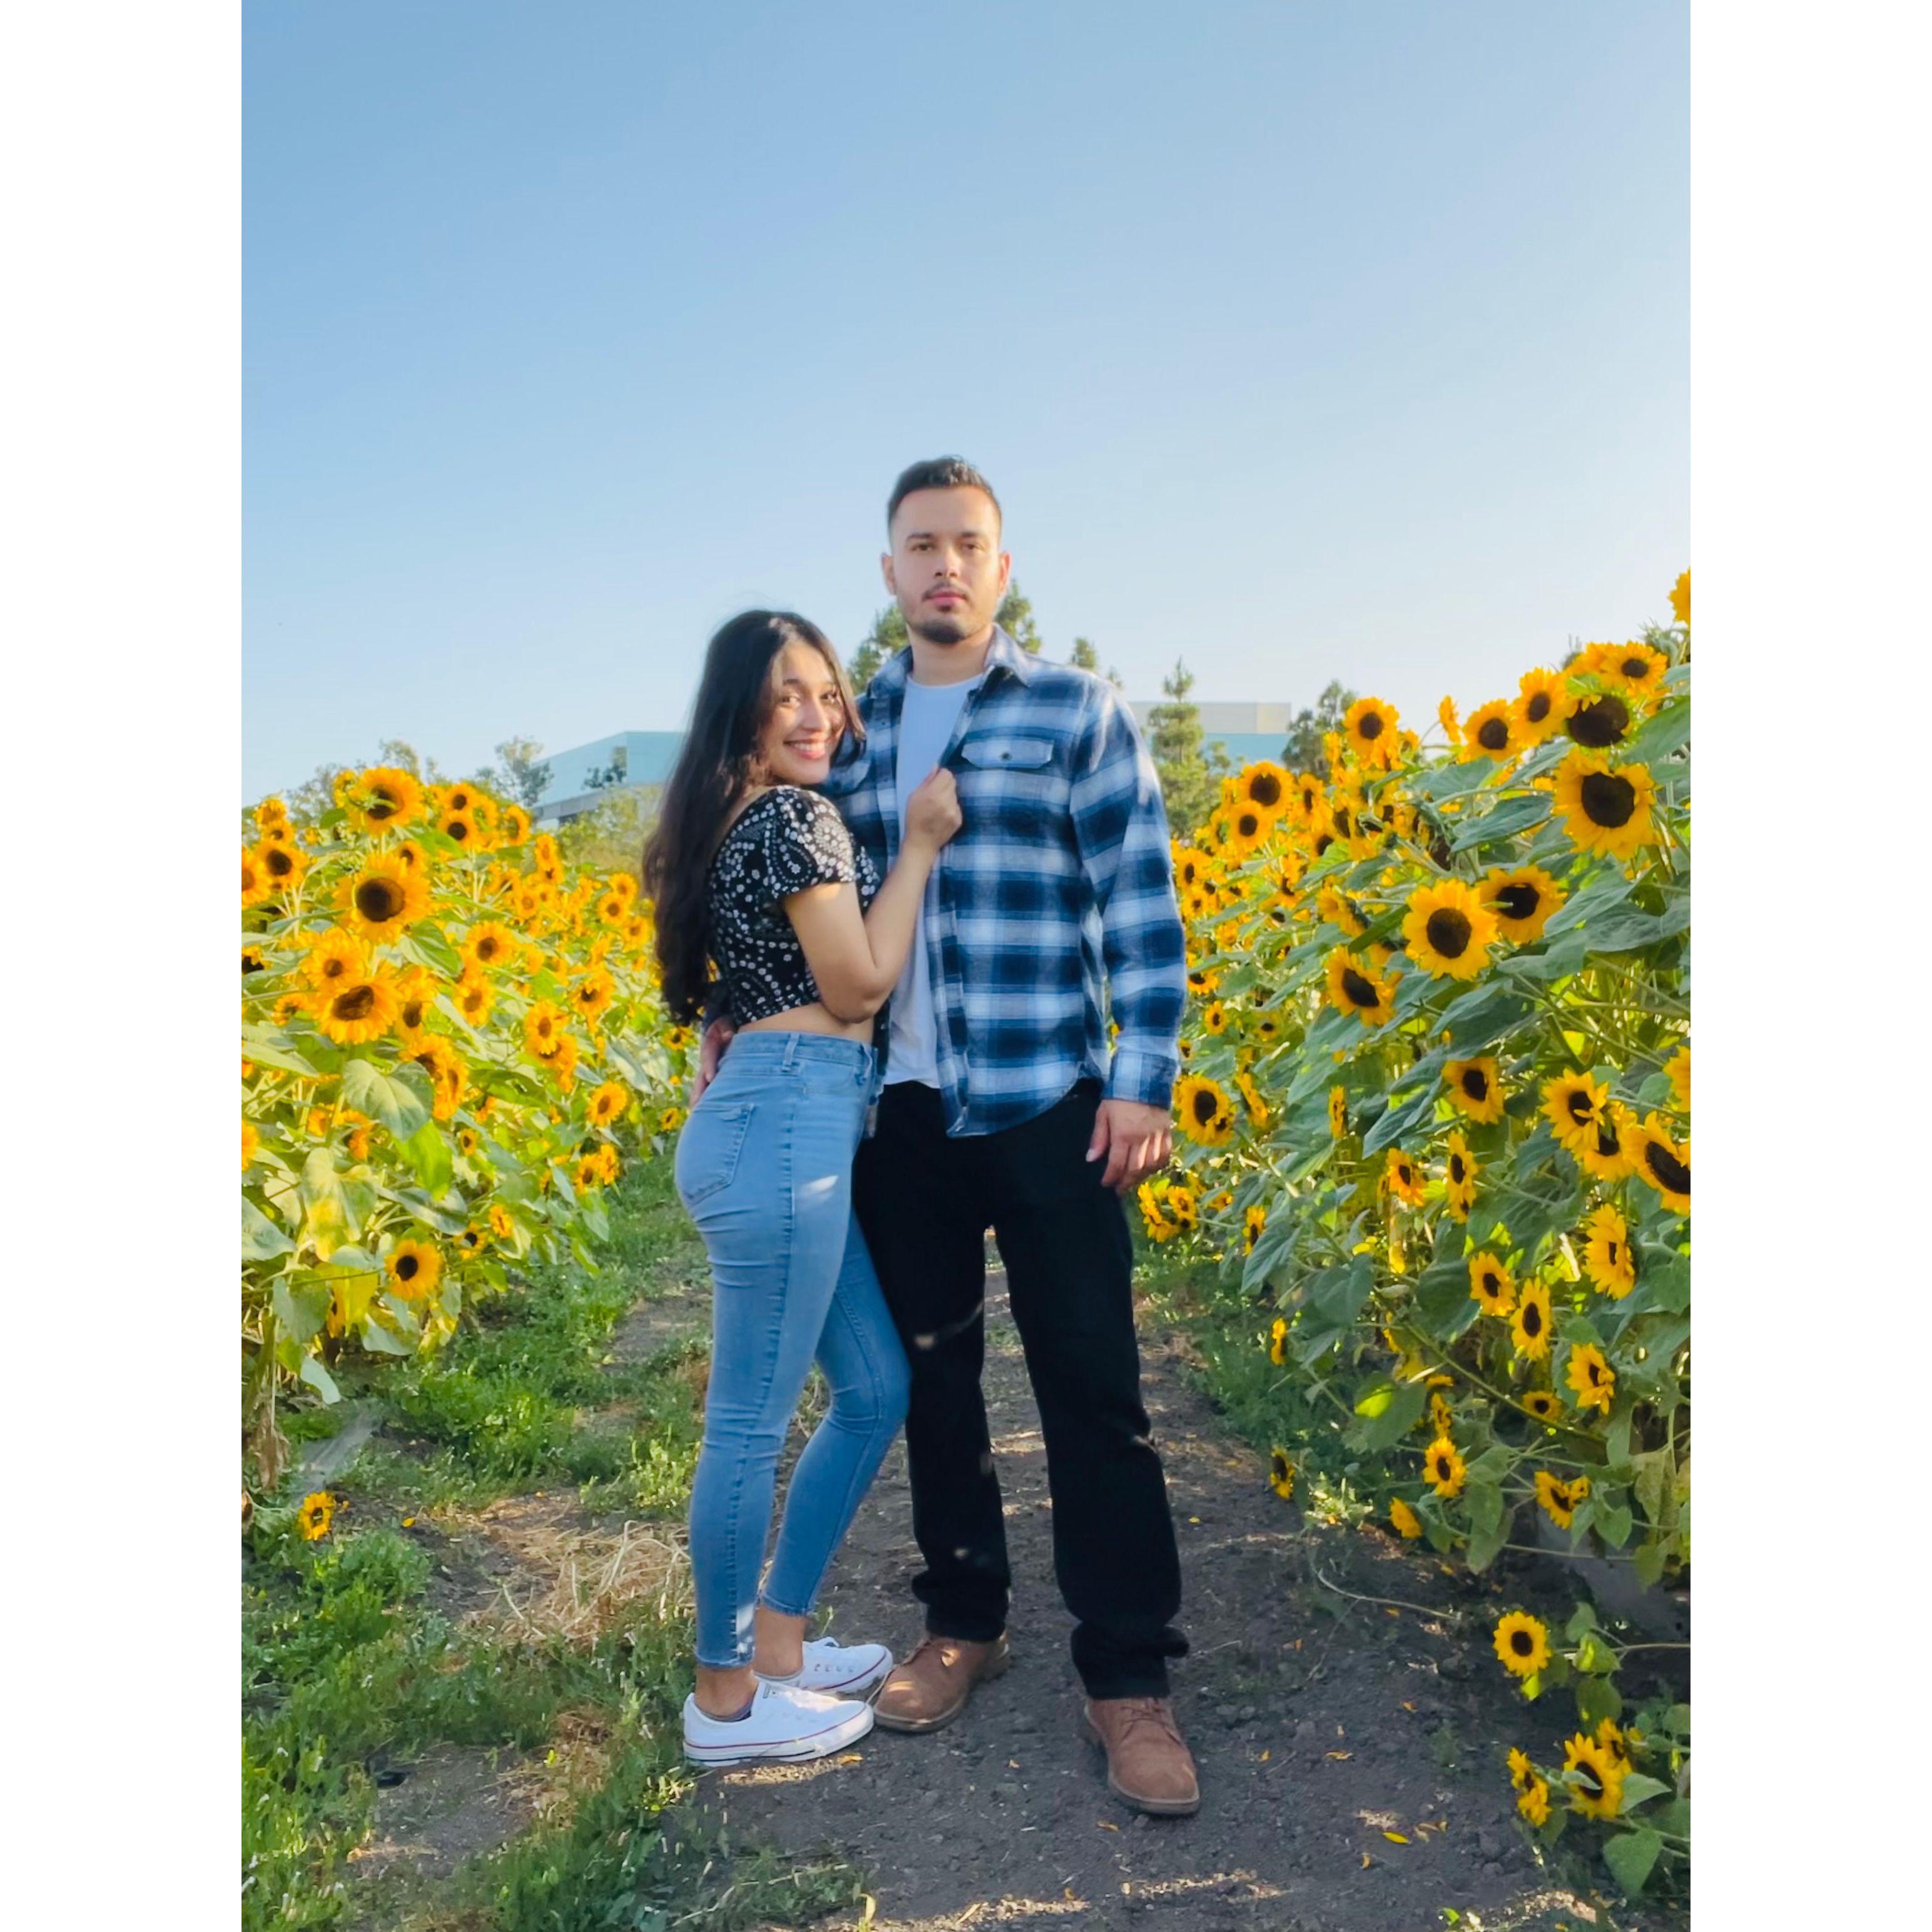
{"x": 1136, "y": 1140}
{"x": 717, "y": 1037}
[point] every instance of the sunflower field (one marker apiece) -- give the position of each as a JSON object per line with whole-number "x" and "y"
{"x": 451, "y": 1040}
{"x": 1435, "y": 1113}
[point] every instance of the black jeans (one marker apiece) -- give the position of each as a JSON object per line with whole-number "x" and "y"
{"x": 924, "y": 1203}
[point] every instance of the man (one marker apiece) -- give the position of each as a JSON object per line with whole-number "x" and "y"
{"x": 1004, "y": 1106}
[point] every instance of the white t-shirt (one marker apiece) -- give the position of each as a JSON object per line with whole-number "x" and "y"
{"x": 926, "y": 721}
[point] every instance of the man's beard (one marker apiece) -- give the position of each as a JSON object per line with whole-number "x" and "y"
{"x": 943, "y": 627}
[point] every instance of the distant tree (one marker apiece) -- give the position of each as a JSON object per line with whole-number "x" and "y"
{"x": 1088, "y": 658}
{"x": 1307, "y": 727}
{"x": 519, "y": 773}
{"x": 885, "y": 638}
{"x": 1015, "y": 616}
{"x": 615, "y": 773}
{"x": 610, "y": 836}
{"x": 309, "y": 800}
{"x": 404, "y": 756}
{"x": 1190, "y": 768}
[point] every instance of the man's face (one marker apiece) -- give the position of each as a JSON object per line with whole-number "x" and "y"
{"x": 946, "y": 566}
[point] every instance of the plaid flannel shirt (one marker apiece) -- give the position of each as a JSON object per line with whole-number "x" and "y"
{"x": 1060, "y": 883}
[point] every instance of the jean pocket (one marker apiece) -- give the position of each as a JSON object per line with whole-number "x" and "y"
{"x": 708, "y": 1150}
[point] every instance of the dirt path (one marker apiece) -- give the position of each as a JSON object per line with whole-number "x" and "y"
{"x": 1319, "y": 1723}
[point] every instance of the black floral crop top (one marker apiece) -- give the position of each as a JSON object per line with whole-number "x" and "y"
{"x": 781, "y": 843}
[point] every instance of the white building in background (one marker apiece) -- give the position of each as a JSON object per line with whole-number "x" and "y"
{"x": 582, "y": 778}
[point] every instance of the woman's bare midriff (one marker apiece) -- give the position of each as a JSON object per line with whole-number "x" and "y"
{"x": 813, "y": 1019}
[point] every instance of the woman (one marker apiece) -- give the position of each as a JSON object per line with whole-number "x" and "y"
{"x": 750, "y": 869}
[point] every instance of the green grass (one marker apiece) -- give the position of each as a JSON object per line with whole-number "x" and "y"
{"x": 350, "y": 1673}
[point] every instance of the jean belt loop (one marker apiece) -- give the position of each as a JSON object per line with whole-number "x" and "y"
{"x": 791, "y": 1051}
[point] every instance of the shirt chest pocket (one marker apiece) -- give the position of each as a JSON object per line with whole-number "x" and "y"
{"x": 1017, "y": 782}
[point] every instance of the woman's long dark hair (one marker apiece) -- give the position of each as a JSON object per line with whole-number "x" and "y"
{"x": 714, "y": 770}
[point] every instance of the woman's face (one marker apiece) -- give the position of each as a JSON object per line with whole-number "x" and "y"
{"x": 807, "y": 720}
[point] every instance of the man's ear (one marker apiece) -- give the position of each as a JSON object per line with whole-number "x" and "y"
{"x": 885, "y": 571}
{"x": 1005, "y": 570}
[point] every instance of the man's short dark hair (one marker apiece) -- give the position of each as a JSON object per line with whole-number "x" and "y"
{"x": 939, "y": 472}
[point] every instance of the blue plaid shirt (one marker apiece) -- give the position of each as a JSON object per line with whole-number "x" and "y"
{"x": 1059, "y": 883}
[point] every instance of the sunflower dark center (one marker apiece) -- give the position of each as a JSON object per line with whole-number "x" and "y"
{"x": 1537, "y": 709}
{"x": 457, "y": 828}
{"x": 279, "y": 862}
{"x": 1607, "y": 1143}
{"x": 1666, "y": 1167}
{"x": 1475, "y": 1083}
{"x": 1579, "y": 1106}
{"x": 1205, "y": 1106}
{"x": 1456, "y": 1168}
{"x": 407, "y": 1267}
{"x": 1609, "y": 799}
{"x": 1493, "y": 734}
{"x": 1322, "y": 844}
{"x": 1358, "y": 989}
{"x": 1341, "y": 820}
{"x": 384, "y": 803}
{"x": 1602, "y": 721}
{"x": 487, "y": 948}
{"x": 1518, "y": 899}
{"x": 1532, "y": 1318}
{"x": 379, "y": 901}
{"x": 1264, "y": 788}
{"x": 1449, "y": 931}
{"x": 1371, "y": 726}
{"x": 1521, "y": 1642}
{"x": 1636, "y": 668}
{"x": 356, "y": 1004}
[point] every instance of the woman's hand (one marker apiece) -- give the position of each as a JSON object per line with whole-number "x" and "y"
{"x": 932, "y": 812}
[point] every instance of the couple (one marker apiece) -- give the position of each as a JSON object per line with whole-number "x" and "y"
{"x": 980, "y": 840}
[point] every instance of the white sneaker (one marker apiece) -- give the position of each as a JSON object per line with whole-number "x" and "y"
{"x": 785, "y": 1722}
{"x": 839, "y": 1669}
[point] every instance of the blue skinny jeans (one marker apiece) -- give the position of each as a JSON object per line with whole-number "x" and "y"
{"x": 764, "y": 1167}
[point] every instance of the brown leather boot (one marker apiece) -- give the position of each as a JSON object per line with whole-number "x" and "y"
{"x": 1148, "y": 1766}
{"x": 931, "y": 1687}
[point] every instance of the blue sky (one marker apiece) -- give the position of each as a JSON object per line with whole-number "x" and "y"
{"x": 1300, "y": 341}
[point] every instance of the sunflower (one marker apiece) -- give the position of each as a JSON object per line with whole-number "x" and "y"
{"x": 415, "y": 1267}
{"x": 271, "y": 811}
{"x": 354, "y": 1010}
{"x": 609, "y": 1161}
{"x": 1158, "y": 1226}
{"x": 1444, "y": 1467}
{"x": 1338, "y": 1112}
{"x": 1538, "y": 708}
{"x": 1207, "y": 1114}
{"x": 282, "y": 864}
{"x": 1355, "y": 987}
{"x": 1202, "y": 980}
{"x": 1452, "y": 725}
{"x": 1529, "y": 1325}
{"x": 1604, "y": 810}
{"x": 415, "y": 995}
{"x": 589, "y": 1172}
{"x": 473, "y": 1240}
{"x": 1558, "y": 1500}
{"x": 1590, "y": 1377}
{"x": 474, "y": 997}
{"x": 251, "y": 1142}
{"x": 1606, "y": 1253}
{"x": 1606, "y": 1155}
{"x": 1281, "y": 1473}
{"x": 516, "y": 825}
{"x": 1533, "y": 1803}
{"x": 1521, "y": 1770}
{"x": 593, "y": 993}
{"x": 1248, "y": 825}
{"x": 1489, "y": 732}
{"x": 1448, "y": 930}
{"x": 1678, "y": 1066}
{"x": 561, "y": 1065}
{"x": 334, "y": 958}
{"x": 255, "y": 883}
{"x": 1491, "y": 1284}
{"x": 1441, "y": 1417}
{"x": 1575, "y": 1102}
{"x": 1277, "y": 1336}
{"x": 1341, "y": 912}
{"x": 1475, "y": 1088}
{"x": 1522, "y": 1643}
{"x": 1598, "y": 721}
{"x": 545, "y": 1028}
{"x": 608, "y": 1102}
{"x": 1402, "y": 1177}
{"x": 1595, "y": 1778}
{"x": 315, "y": 1515}
{"x": 412, "y": 857}
{"x": 1541, "y": 1404}
{"x": 449, "y": 1075}
{"x": 1258, "y": 1107}
{"x": 1637, "y": 670}
{"x": 463, "y": 830}
{"x": 611, "y": 910}
{"x": 1214, "y": 1017}
{"x": 1662, "y": 1163}
{"x": 1520, "y": 899}
{"x": 1617, "y": 1742}
{"x": 1373, "y": 730}
{"x": 1406, "y": 1523}
{"x": 1460, "y": 1172}
{"x": 384, "y": 897}
{"x": 1680, "y": 600}
{"x": 387, "y": 797}
{"x": 670, "y": 1119}
{"x": 1183, "y": 1204}
{"x": 1263, "y": 785}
